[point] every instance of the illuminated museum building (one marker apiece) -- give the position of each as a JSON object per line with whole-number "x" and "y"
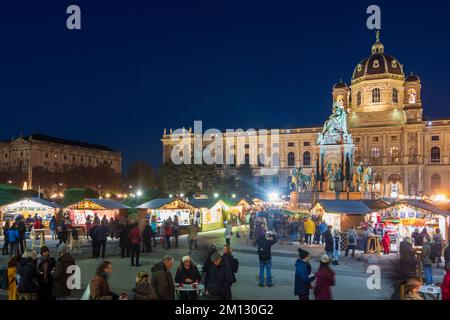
{"x": 384, "y": 116}
{"x": 55, "y": 154}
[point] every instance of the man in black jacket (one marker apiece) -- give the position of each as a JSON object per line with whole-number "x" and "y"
{"x": 264, "y": 245}
{"x": 447, "y": 256}
{"x": 22, "y": 230}
{"x": 60, "y": 290}
{"x": 28, "y": 276}
{"x": 220, "y": 279}
{"x": 329, "y": 243}
{"x": 100, "y": 235}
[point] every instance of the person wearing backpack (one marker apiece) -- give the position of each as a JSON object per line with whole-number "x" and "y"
{"x": 352, "y": 238}
{"x": 264, "y": 245}
{"x": 231, "y": 260}
{"x": 13, "y": 238}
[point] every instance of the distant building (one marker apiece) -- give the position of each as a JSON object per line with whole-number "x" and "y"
{"x": 409, "y": 155}
{"x": 55, "y": 154}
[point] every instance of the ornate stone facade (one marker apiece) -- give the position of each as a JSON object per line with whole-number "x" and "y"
{"x": 384, "y": 114}
{"x": 55, "y": 154}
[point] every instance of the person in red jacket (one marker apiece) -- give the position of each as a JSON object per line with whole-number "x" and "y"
{"x": 325, "y": 279}
{"x": 135, "y": 242}
{"x": 386, "y": 242}
{"x": 446, "y": 284}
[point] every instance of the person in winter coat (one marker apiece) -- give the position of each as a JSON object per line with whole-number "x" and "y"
{"x": 99, "y": 286}
{"x": 228, "y": 232}
{"x": 5, "y": 228}
{"x": 447, "y": 255}
{"x": 193, "y": 236}
{"x": 28, "y": 284}
{"x": 62, "y": 237}
{"x": 352, "y": 237}
{"x": 220, "y": 279}
{"x": 147, "y": 238}
{"x": 427, "y": 261}
{"x": 11, "y": 274}
{"x": 323, "y": 227}
{"x": 53, "y": 225}
{"x": 231, "y": 260}
{"x": 303, "y": 277}
{"x": 445, "y": 287}
{"x": 168, "y": 232}
{"x": 143, "y": 289}
{"x": 45, "y": 266}
{"x": 408, "y": 261}
{"x": 22, "y": 230}
{"x": 13, "y": 239}
{"x": 424, "y": 233}
{"x": 100, "y": 235}
{"x": 208, "y": 263}
{"x": 264, "y": 249}
{"x": 336, "y": 247}
{"x": 187, "y": 273}
{"x": 124, "y": 241}
{"x": 96, "y": 220}
{"x": 175, "y": 229}
{"x": 417, "y": 237}
{"x": 162, "y": 280}
{"x": 437, "y": 246}
{"x": 329, "y": 243}
{"x": 310, "y": 229}
{"x": 88, "y": 226}
{"x": 386, "y": 243}
{"x": 325, "y": 279}
{"x": 411, "y": 289}
{"x": 60, "y": 290}
{"x": 154, "y": 226}
{"x": 135, "y": 242}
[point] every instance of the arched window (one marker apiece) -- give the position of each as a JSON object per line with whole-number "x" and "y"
{"x": 275, "y": 160}
{"x": 358, "y": 98}
{"x": 435, "y": 155}
{"x": 261, "y": 160}
{"x": 394, "y": 155}
{"x": 375, "y": 156}
{"x": 376, "y": 95}
{"x": 412, "y": 96}
{"x": 291, "y": 159}
{"x": 247, "y": 159}
{"x": 435, "y": 182}
{"x": 306, "y": 159}
{"x": 394, "y": 95}
{"x": 357, "y": 155}
{"x": 412, "y": 155}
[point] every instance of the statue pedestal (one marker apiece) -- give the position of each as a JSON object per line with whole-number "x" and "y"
{"x": 293, "y": 201}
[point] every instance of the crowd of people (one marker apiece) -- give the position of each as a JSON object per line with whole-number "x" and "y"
{"x": 40, "y": 276}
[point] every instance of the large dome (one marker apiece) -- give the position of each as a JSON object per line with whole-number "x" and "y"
{"x": 377, "y": 64}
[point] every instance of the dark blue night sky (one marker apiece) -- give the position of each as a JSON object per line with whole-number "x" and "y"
{"x": 139, "y": 66}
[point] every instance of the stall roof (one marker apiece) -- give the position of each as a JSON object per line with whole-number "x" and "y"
{"x": 106, "y": 203}
{"x": 423, "y": 205}
{"x": 40, "y": 201}
{"x": 156, "y": 203}
{"x": 235, "y": 202}
{"x": 376, "y": 204}
{"x": 203, "y": 203}
{"x": 344, "y": 206}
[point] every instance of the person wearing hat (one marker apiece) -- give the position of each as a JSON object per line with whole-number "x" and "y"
{"x": 60, "y": 275}
{"x": 143, "y": 289}
{"x": 187, "y": 273}
{"x": 220, "y": 279}
{"x": 325, "y": 279}
{"x": 303, "y": 276}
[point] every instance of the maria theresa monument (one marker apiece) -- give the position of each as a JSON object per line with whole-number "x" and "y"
{"x": 375, "y": 135}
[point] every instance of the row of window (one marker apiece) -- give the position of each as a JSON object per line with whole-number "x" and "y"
{"x": 394, "y": 155}
{"x": 276, "y": 159}
{"x": 376, "y": 96}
